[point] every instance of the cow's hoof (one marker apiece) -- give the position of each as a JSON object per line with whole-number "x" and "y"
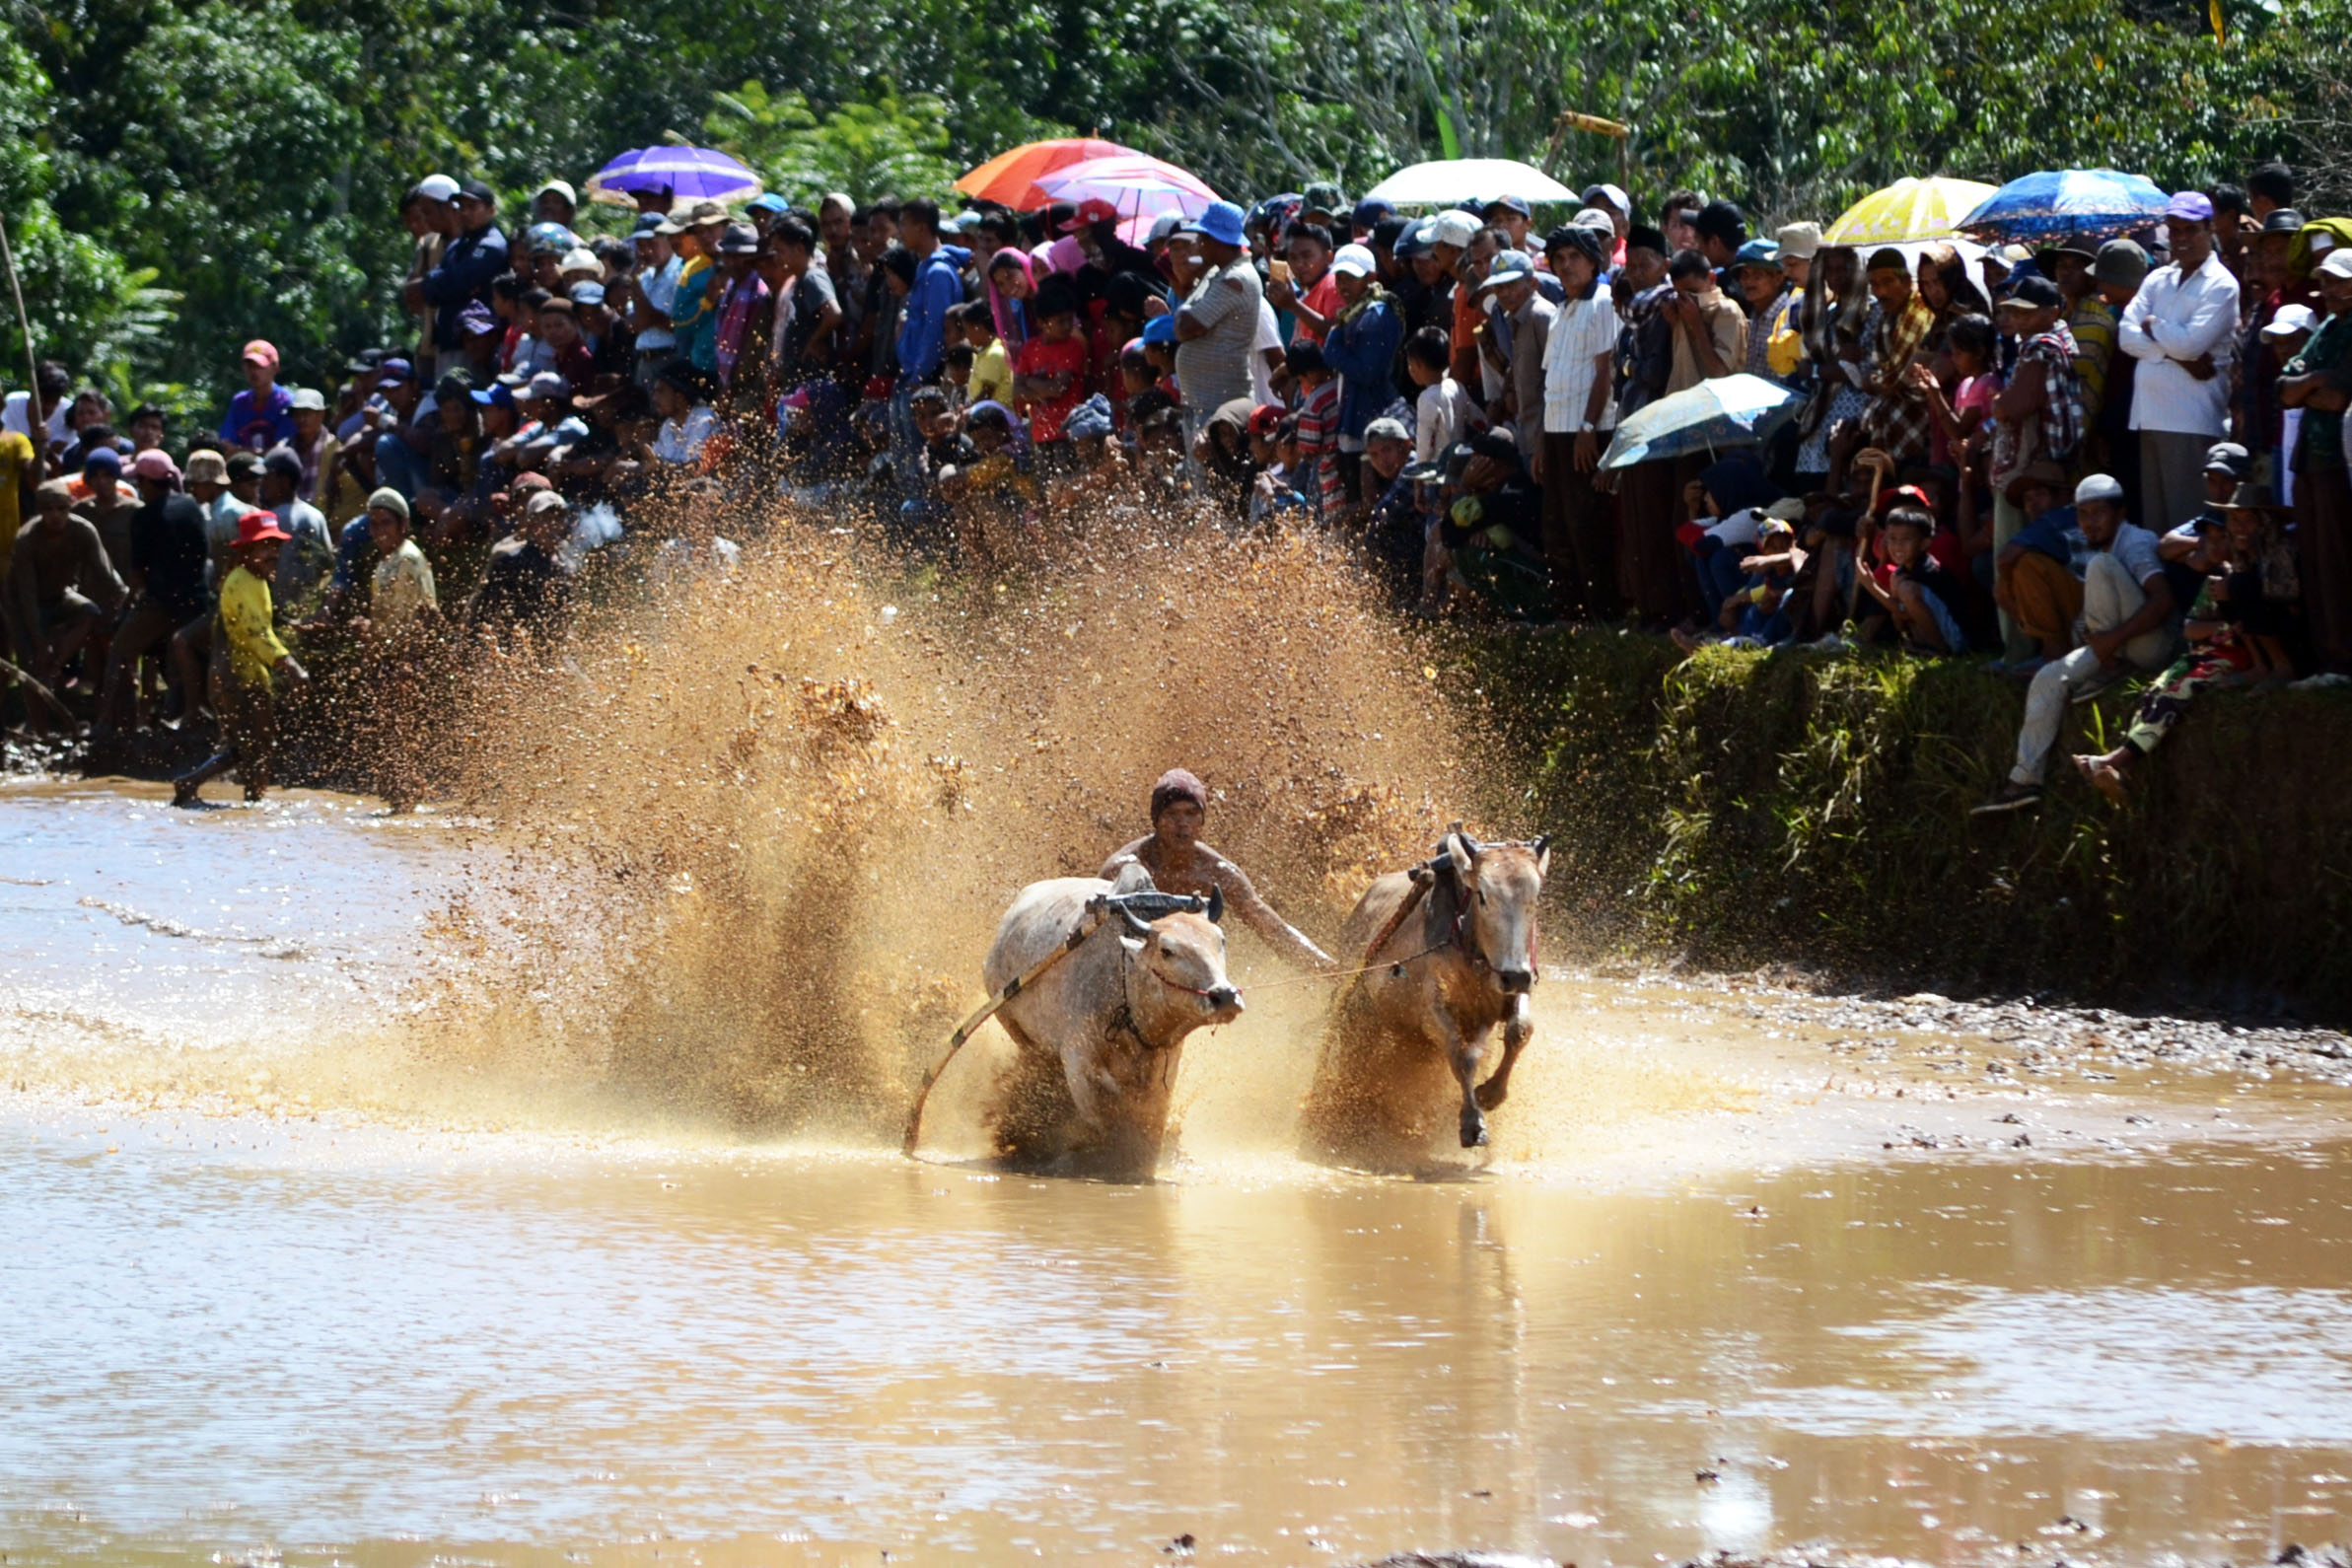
{"x": 1492, "y": 1092}
{"x": 1474, "y": 1130}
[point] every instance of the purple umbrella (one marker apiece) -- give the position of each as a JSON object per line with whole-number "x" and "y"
{"x": 688, "y": 174}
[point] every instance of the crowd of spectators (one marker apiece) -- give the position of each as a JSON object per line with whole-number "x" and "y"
{"x": 2080, "y": 462}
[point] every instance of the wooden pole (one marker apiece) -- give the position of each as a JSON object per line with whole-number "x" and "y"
{"x": 32, "y": 359}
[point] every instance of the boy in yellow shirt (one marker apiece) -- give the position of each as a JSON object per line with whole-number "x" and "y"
{"x": 245, "y": 654}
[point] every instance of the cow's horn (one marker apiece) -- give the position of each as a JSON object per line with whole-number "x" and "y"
{"x": 1216, "y": 903}
{"x": 1135, "y": 922}
{"x": 1543, "y": 842}
{"x": 1473, "y": 847}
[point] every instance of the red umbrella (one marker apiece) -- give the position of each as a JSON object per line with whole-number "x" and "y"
{"x": 1011, "y": 179}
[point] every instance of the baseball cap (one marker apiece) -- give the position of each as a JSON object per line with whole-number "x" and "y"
{"x": 588, "y": 294}
{"x": 2228, "y": 457}
{"x": 154, "y": 463}
{"x": 1518, "y": 204}
{"x": 309, "y": 400}
{"x": 1322, "y": 196}
{"x": 1387, "y": 429}
{"x": 649, "y": 224}
{"x": 475, "y": 190}
{"x": 1457, "y": 229}
{"x": 394, "y": 369}
{"x": 1370, "y": 211}
{"x": 1510, "y": 267}
{"x": 580, "y": 258}
{"x": 1799, "y": 242}
{"x": 2098, "y": 487}
{"x": 261, "y": 527}
{"x": 1612, "y": 196}
{"x": 1160, "y": 329}
{"x": 1356, "y": 260}
{"x": 261, "y": 349}
{"x": 543, "y": 502}
{"x": 101, "y": 457}
{"x": 1757, "y": 253}
{"x": 2193, "y": 205}
{"x": 244, "y": 463}
{"x": 765, "y": 201}
{"x": 2035, "y": 293}
{"x": 1264, "y": 417}
{"x": 547, "y": 383}
{"x": 282, "y": 462}
{"x": 1417, "y": 241}
{"x": 558, "y": 187}
{"x": 495, "y": 395}
{"x": 2337, "y": 265}
{"x": 437, "y": 188}
{"x": 1090, "y": 212}
{"x": 2290, "y": 319}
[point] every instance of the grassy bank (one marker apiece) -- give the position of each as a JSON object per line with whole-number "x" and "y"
{"x": 1742, "y": 809}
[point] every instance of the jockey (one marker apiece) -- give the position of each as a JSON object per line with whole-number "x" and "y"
{"x": 1180, "y": 862}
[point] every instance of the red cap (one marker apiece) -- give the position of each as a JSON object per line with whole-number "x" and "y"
{"x": 1090, "y": 212}
{"x": 259, "y": 528}
{"x": 264, "y": 350}
{"x": 1264, "y": 418}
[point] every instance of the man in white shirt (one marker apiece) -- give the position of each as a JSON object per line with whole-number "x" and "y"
{"x": 2128, "y": 623}
{"x": 2182, "y": 327}
{"x": 1578, "y": 414}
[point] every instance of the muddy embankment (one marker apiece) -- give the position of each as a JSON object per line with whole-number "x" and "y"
{"x": 1742, "y": 808}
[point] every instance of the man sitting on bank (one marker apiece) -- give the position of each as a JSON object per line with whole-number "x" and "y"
{"x": 1180, "y": 862}
{"x": 2127, "y": 623}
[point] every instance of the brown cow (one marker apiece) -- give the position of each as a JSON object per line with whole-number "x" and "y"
{"x": 1460, "y": 962}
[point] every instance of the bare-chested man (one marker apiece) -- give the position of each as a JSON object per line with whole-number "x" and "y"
{"x": 1180, "y": 862}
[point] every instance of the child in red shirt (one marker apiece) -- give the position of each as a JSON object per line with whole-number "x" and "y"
{"x": 1049, "y": 374}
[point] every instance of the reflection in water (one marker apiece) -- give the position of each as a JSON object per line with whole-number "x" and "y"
{"x": 215, "y": 1347}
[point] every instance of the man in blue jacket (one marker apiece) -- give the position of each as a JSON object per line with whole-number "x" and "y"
{"x": 1362, "y": 346}
{"x": 923, "y": 332}
{"x": 476, "y": 255}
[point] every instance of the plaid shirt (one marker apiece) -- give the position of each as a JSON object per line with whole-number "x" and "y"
{"x": 2062, "y": 420}
{"x": 1897, "y": 420}
{"x": 1765, "y": 320}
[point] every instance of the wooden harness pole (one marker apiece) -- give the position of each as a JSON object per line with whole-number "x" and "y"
{"x": 982, "y": 1014}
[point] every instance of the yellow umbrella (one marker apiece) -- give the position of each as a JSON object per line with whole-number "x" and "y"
{"x": 1909, "y": 209}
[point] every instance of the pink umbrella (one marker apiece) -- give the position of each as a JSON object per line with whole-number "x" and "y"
{"x": 1135, "y": 184}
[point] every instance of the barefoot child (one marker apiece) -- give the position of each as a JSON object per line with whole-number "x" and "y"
{"x": 246, "y": 654}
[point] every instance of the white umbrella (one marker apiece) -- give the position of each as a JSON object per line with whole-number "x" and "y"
{"x": 1450, "y": 179}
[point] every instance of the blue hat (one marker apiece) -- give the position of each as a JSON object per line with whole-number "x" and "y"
{"x": 498, "y": 394}
{"x": 646, "y": 223}
{"x": 1371, "y": 210}
{"x": 1757, "y": 253}
{"x": 1219, "y": 220}
{"x": 1160, "y": 329}
{"x": 765, "y": 201}
{"x": 1509, "y": 267}
{"x": 1089, "y": 419}
{"x": 588, "y": 294}
{"x": 1510, "y": 203}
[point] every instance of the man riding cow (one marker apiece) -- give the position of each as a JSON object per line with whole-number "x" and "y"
{"x": 1180, "y": 863}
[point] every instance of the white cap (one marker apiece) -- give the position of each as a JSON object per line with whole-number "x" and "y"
{"x": 580, "y": 258}
{"x": 2098, "y": 487}
{"x": 437, "y": 188}
{"x": 1355, "y": 261}
{"x": 546, "y": 501}
{"x": 2320, "y": 241}
{"x": 2337, "y": 265}
{"x": 1616, "y": 197}
{"x": 2290, "y": 319}
{"x": 1455, "y": 227}
{"x": 560, "y": 187}
{"x": 1799, "y": 242}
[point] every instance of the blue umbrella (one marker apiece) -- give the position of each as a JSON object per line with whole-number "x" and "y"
{"x": 688, "y": 174}
{"x": 2066, "y": 203}
{"x": 1729, "y": 412}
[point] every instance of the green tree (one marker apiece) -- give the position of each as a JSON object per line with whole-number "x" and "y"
{"x": 894, "y": 145}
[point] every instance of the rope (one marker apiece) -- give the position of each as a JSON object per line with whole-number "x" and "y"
{"x": 1349, "y": 974}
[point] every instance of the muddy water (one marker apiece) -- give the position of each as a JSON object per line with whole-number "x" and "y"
{"x": 1693, "y": 1304}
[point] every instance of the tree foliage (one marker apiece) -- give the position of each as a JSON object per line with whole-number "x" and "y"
{"x": 181, "y": 174}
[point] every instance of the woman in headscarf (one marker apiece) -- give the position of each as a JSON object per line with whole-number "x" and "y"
{"x": 1011, "y": 284}
{"x": 1945, "y": 284}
